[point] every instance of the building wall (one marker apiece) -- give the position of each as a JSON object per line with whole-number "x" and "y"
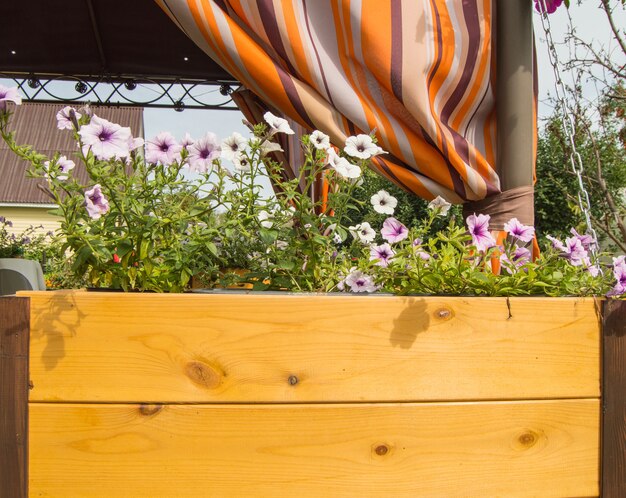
{"x": 23, "y": 217}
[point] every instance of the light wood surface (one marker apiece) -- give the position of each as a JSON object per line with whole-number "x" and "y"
{"x": 490, "y": 449}
{"x": 135, "y": 347}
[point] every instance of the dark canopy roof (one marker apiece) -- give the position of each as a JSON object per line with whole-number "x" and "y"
{"x": 99, "y": 37}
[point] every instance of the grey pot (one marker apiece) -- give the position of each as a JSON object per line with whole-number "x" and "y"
{"x": 20, "y": 274}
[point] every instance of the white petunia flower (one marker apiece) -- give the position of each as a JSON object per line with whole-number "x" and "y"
{"x": 241, "y": 163}
{"x": 361, "y": 146}
{"x": 267, "y": 147}
{"x": 440, "y": 205}
{"x": 278, "y": 125}
{"x": 233, "y": 145}
{"x": 364, "y": 232}
{"x": 384, "y": 202}
{"x": 320, "y": 140}
{"x": 346, "y": 169}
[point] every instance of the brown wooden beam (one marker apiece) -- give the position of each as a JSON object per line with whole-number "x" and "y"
{"x": 614, "y": 400}
{"x": 14, "y": 340}
{"x": 514, "y": 93}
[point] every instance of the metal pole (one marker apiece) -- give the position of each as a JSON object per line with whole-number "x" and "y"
{"x": 514, "y": 93}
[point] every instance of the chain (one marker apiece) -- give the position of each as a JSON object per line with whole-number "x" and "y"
{"x": 569, "y": 127}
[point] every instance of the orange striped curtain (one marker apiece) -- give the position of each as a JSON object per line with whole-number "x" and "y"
{"x": 419, "y": 73}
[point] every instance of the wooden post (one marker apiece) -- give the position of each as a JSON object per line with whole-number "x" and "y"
{"x": 614, "y": 400}
{"x": 514, "y": 93}
{"x": 14, "y": 339}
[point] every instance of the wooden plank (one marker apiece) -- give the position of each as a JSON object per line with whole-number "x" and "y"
{"x": 541, "y": 448}
{"x": 14, "y": 328}
{"x": 614, "y": 400}
{"x": 134, "y": 347}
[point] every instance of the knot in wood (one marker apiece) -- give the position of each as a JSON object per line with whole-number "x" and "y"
{"x": 381, "y": 449}
{"x": 293, "y": 380}
{"x": 443, "y": 313}
{"x": 202, "y": 374}
{"x": 528, "y": 439}
{"x": 148, "y": 410}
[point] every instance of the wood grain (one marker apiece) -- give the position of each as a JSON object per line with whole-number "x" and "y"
{"x": 614, "y": 400}
{"x": 300, "y": 348}
{"x": 14, "y": 325}
{"x": 541, "y": 448}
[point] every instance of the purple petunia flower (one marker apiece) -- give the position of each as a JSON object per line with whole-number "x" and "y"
{"x": 64, "y": 165}
{"x": 9, "y": 95}
{"x": 574, "y": 251}
{"x": 163, "y": 149}
{"x": 394, "y": 231}
{"x": 525, "y": 233}
{"x": 521, "y": 256}
{"x": 106, "y": 140}
{"x": 478, "y": 227}
{"x": 586, "y": 240}
{"x": 67, "y": 118}
{"x": 203, "y": 152}
{"x": 95, "y": 202}
{"x": 360, "y": 282}
{"x": 619, "y": 272}
{"x": 556, "y": 243}
{"x": 548, "y": 6}
{"x": 383, "y": 253}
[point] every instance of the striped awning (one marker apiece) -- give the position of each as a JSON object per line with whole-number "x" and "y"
{"x": 418, "y": 73}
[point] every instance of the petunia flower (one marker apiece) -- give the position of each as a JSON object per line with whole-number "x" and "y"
{"x": 619, "y": 272}
{"x": 203, "y": 152}
{"x": 394, "y": 231}
{"x": 95, "y": 202}
{"x": 594, "y": 270}
{"x": 364, "y": 232}
{"x": 548, "y": 6}
{"x": 556, "y": 243}
{"x": 241, "y": 163}
{"x": 574, "y": 251}
{"x": 383, "y": 253}
{"x": 233, "y": 146}
{"x": 67, "y": 118}
{"x": 586, "y": 240}
{"x": 478, "y": 227}
{"x": 64, "y": 164}
{"x": 9, "y": 95}
{"x": 521, "y": 256}
{"x": 104, "y": 139}
{"x": 187, "y": 141}
{"x": 268, "y": 147}
{"x": 320, "y": 140}
{"x": 361, "y": 146}
{"x": 163, "y": 149}
{"x": 277, "y": 125}
{"x": 383, "y": 202}
{"x": 360, "y": 282}
{"x": 525, "y": 233}
{"x": 439, "y": 205}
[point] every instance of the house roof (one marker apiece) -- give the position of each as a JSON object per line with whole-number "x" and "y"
{"x": 35, "y": 124}
{"x": 97, "y": 38}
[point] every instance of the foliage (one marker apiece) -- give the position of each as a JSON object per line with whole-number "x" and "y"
{"x": 142, "y": 223}
{"x": 602, "y": 152}
{"x": 29, "y": 244}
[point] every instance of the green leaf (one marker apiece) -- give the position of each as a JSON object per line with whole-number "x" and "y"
{"x": 268, "y": 236}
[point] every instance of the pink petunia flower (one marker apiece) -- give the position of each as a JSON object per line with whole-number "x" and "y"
{"x": 64, "y": 165}
{"x": 548, "y": 6}
{"x": 525, "y": 233}
{"x": 163, "y": 149}
{"x": 203, "y": 152}
{"x": 521, "y": 256}
{"x": 394, "y": 231}
{"x": 383, "y": 253}
{"x": 9, "y": 95}
{"x": 478, "y": 227}
{"x": 360, "y": 282}
{"x": 619, "y": 272}
{"x": 95, "y": 202}
{"x": 67, "y": 118}
{"x": 106, "y": 140}
{"x": 586, "y": 240}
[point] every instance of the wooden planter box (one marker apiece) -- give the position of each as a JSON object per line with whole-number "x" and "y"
{"x": 255, "y": 395}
